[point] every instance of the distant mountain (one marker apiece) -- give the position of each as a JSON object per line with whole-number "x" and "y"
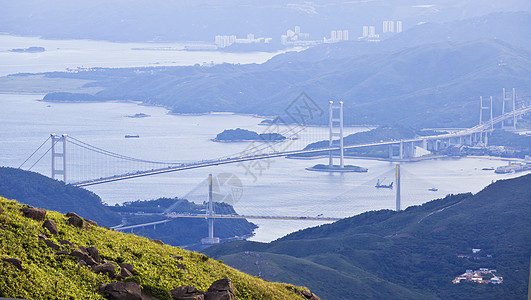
{"x": 40, "y": 191}
{"x": 433, "y": 85}
{"x": 384, "y": 254}
{"x": 159, "y": 20}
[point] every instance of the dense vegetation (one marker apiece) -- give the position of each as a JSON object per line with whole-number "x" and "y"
{"x": 47, "y": 274}
{"x": 182, "y": 231}
{"x": 41, "y": 191}
{"x": 239, "y": 134}
{"x": 420, "y": 249}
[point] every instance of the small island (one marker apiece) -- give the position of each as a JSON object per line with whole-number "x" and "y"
{"x": 139, "y": 115}
{"x": 336, "y": 168}
{"x": 28, "y": 50}
{"x": 243, "y": 135}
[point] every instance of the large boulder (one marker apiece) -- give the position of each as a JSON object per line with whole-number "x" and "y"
{"x": 122, "y": 291}
{"x": 51, "y": 226}
{"x": 94, "y": 253}
{"x": 93, "y": 223}
{"x": 187, "y": 292}
{"x": 86, "y": 258}
{"x": 222, "y": 289}
{"x": 75, "y": 220}
{"x": 126, "y": 266}
{"x": 51, "y": 244}
{"x": 15, "y": 262}
{"x": 37, "y": 214}
{"x": 106, "y": 268}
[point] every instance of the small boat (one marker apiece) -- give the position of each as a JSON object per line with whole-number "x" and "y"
{"x": 128, "y": 136}
{"x": 385, "y": 186}
{"x": 433, "y": 189}
{"x": 488, "y": 169}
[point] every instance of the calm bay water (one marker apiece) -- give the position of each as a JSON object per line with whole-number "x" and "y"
{"x": 280, "y": 187}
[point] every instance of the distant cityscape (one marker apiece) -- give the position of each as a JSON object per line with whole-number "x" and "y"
{"x": 296, "y": 37}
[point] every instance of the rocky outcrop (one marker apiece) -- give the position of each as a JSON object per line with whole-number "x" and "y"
{"x": 106, "y": 268}
{"x": 94, "y": 253}
{"x": 51, "y": 226}
{"x": 75, "y": 220}
{"x": 187, "y": 292}
{"x": 15, "y": 262}
{"x": 157, "y": 241}
{"x": 82, "y": 256}
{"x": 90, "y": 222}
{"x": 122, "y": 290}
{"x": 222, "y": 289}
{"x": 37, "y": 214}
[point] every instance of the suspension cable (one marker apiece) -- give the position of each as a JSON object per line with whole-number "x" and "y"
{"x": 34, "y": 153}
{"x": 55, "y": 142}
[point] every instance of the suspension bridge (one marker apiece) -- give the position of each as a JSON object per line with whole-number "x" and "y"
{"x": 407, "y": 148}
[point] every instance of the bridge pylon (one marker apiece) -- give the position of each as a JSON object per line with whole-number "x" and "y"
{"x": 210, "y": 240}
{"x": 58, "y": 169}
{"x": 334, "y": 121}
{"x": 511, "y": 102}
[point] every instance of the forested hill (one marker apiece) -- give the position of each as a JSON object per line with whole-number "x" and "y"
{"x": 41, "y": 191}
{"x": 421, "y": 249}
{"x": 433, "y": 85}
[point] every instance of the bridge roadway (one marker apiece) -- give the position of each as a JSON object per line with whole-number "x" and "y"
{"x": 478, "y": 128}
{"x": 195, "y": 216}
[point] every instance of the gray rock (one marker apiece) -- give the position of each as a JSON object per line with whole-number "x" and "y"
{"x": 51, "y": 244}
{"x": 93, "y": 223}
{"x": 157, "y": 241}
{"x": 15, "y": 262}
{"x": 94, "y": 253}
{"x": 181, "y": 267}
{"x": 224, "y": 295}
{"x": 222, "y": 285}
{"x": 75, "y": 220}
{"x": 37, "y": 214}
{"x": 65, "y": 242}
{"x": 106, "y": 268}
{"x": 51, "y": 226}
{"x": 187, "y": 292}
{"x": 122, "y": 291}
{"x": 126, "y": 266}
{"x": 125, "y": 273}
{"x": 177, "y": 257}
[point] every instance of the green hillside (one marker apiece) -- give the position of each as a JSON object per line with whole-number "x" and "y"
{"x": 73, "y": 262}
{"x": 420, "y": 249}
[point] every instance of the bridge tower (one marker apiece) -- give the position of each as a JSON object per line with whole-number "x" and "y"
{"x": 210, "y": 216}
{"x": 397, "y": 187}
{"x": 505, "y": 107}
{"x": 481, "y": 109}
{"x": 334, "y": 122}
{"x": 58, "y": 169}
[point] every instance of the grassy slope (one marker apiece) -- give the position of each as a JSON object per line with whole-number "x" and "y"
{"x": 417, "y": 248}
{"x": 48, "y": 275}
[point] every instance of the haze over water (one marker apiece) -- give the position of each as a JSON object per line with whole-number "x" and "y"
{"x": 282, "y": 188}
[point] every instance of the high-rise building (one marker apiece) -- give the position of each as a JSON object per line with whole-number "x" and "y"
{"x": 365, "y": 31}
{"x": 345, "y": 35}
{"x": 398, "y": 26}
{"x": 339, "y": 35}
{"x": 385, "y": 27}
{"x": 391, "y": 26}
{"x": 372, "y": 31}
{"x": 333, "y": 36}
{"x": 297, "y": 29}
